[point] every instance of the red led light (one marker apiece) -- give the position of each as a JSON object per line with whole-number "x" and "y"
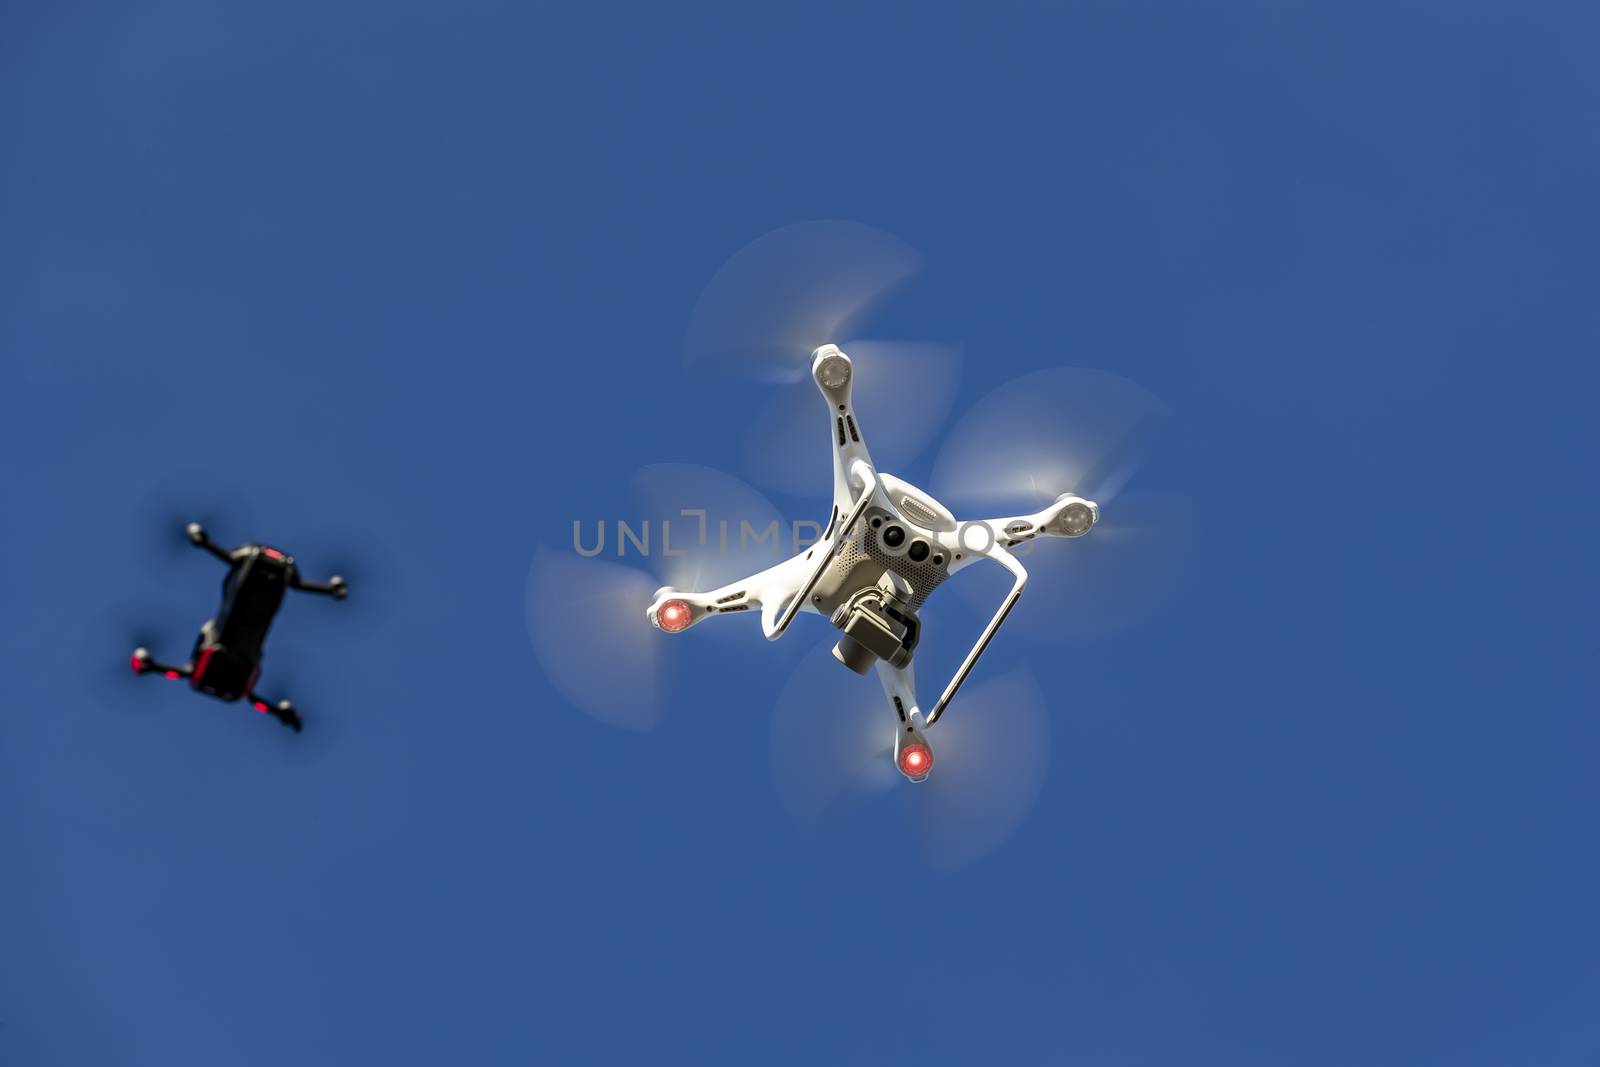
{"x": 261, "y": 705}
{"x": 174, "y": 675}
{"x": 674, "y": 615}
{"x": 916, "y": 760}
{"x": 274, "y": 553}
{"x": 138, "y": 663}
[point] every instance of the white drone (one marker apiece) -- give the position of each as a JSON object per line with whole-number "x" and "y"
{"x": 887, "y": 546}
{"x": 1058, "y": 438}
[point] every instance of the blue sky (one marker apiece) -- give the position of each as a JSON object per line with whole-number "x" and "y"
{"x": 412, "y": 283}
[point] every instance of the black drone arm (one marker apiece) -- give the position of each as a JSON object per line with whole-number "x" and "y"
{"x": 200, "y": 539}
{"x": 144, "y": 663}
{"x": 335, "y": 587}
{"x": 281, "y": 710}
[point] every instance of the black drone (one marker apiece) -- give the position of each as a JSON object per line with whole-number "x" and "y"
{"x": 226, "y": 660}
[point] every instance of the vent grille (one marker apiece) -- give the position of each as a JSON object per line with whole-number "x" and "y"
{"x": 918, "y": 512}
{"x": 849, "y": 553}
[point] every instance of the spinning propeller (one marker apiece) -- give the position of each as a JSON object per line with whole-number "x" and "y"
{"x": 810, "y": 284}
{"x": 830, "y": 759}
{"x": 1061, "y": 430}
{"x": 784, "y": 294}
{"x": 691, "y": 527}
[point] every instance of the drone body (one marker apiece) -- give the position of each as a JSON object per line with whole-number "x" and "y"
{"x": 886, "y": 547}
{"x": 226, "y": 660}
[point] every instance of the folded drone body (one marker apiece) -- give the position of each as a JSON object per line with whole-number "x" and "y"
{"x": 886, "y": 547}
{"x": 226, "y": 662}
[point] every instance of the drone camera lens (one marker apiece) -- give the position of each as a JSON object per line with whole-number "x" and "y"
{"x": 894, "y": 536}
{"x": 854, "y": 654}
{"x": 918, "y": 551}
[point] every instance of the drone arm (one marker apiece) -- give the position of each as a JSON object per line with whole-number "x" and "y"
{"x": 913, "y": 756}
{"x": 1069, "y": 515}
{"x": 834, "y": 375}
{"x": 334, "y": 587}
{"x": 281, "y": 710}
{"x": 861, "y": 472}
{"x": 144, "y": 663}
{"x": 762, "y": 591}
{"x": 1020, "y": 580}
{"x": 200, "y": 539}
{"x": 900, "y": 686}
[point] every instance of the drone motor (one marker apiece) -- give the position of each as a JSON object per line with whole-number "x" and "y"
{"x": 912, "y": 753}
